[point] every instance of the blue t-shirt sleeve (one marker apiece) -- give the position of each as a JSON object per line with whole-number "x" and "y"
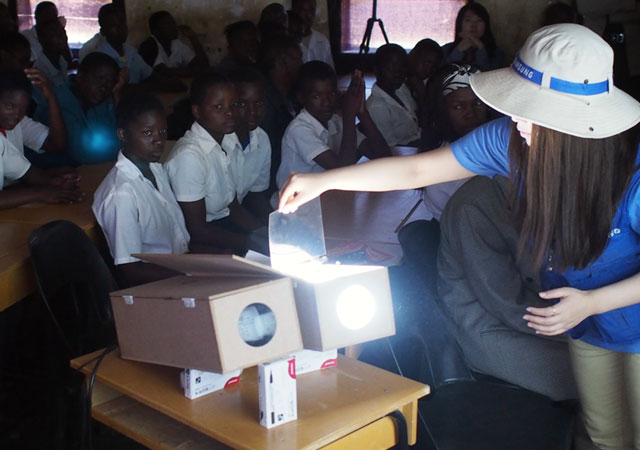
{"x": 485, "y": 150}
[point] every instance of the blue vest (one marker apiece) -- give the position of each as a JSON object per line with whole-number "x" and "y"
{"x": 619, "y": 260}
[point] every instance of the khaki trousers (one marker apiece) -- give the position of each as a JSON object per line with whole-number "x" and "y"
{"x": 609, "y": 387}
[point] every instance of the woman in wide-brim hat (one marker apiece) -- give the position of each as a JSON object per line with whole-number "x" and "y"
{"x": 570, "y": 148}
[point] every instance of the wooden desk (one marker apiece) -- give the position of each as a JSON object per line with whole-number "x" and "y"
{"x": 16, "y": 274}
{"x": 343, "y": 407}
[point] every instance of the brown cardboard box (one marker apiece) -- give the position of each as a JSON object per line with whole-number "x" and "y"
{"x": 321, "y": 295}
{"x": 192, "y": 320}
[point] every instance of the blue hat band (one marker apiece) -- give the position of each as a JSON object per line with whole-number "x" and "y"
{"x": 557, "y": 84}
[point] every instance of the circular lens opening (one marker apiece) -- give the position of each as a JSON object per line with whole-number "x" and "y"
{"x": 257, "y": 324}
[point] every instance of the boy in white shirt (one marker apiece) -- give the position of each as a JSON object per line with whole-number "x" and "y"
{"x": 134, "y": 204}
{"x": 36, "y": 185}
{"x": 51, "y": 60}
{"x": 163, "y": 50}
{"x": 315, "y": 45}
{"x": 391, "y": 104}
{"x": 44, "y": 12}
{"x": 254, "y": 165}
{"x": 203, "y": 170}
{"x": 318, "y": 139}
{"x": 113, "y": 27}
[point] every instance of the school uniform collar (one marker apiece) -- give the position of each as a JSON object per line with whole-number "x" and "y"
{"x": 129, "y": 169}
{"x": 307, "y": 117}
{"x": 161, "y": 48}
{"x": 109, "y": 50}
{"x": 388, "y": 99}
{"x": 208, "y": 143}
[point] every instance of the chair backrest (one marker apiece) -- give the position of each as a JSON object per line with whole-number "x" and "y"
{"x": 74, "y": 282}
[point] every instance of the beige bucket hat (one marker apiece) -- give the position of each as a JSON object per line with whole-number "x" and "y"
{"x": 562, "y": 79}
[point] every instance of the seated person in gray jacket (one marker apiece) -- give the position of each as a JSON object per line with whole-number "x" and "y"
{"x": 484, "y": 289}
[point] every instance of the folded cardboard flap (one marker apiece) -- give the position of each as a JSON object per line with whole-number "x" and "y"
{"x": 211, "y": 265}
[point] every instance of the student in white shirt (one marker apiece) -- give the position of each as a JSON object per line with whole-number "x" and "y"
{"x": 35, "y": 185}
{"x": 243, "y": 41}
{"x": 315, "y": 45}
{"x": 391, "y": 104}
{"x": 318, "y": 139}
{"x": 254, "y": 163}
{"x": 134, "y": 204}
{"x": 203, "y": 171}
{"x": 44, "y": 12}
{"x": 92, "y": 45}
{"x": 452, "y": 110}
{"x": 113, "y": 26}
{"x": 424, "y": 59}
{"x": 163, "y": 50}
{"x": 51, "y": 60}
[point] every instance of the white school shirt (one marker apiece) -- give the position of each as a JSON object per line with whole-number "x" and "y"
{"x": 57, "y": 76}
{"x": 32, "y": 36}
{"x": 91, "y": 46}
{"x": 13, "y": 164}
{"x": 398, "y": 124}
{"x": 254, "y": 164}
{"x": 304, "y": 139}
{"x": 181, "y": 54}
{"x": 139, "y": 70}
{"x": 28, "y": 133}
{"x": 318, "y": 49}
{"x": 135, "y": 216}
{"x": 199, "y": 167}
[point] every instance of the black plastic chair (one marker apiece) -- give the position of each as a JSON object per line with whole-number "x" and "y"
{"x": 74, "y": 283}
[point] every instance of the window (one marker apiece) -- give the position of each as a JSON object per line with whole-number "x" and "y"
{"x": 81, "y": 17}
{"x": 405, "y": 21}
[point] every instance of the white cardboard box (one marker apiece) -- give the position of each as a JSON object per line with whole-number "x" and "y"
{"x": 197, "y": 383}
{"x": 311, "y": 360}
{"x": 277, "y": 392}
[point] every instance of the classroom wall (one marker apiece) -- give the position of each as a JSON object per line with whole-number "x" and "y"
{"x": 512, "y": 21}
{"x": 206, "y": 17}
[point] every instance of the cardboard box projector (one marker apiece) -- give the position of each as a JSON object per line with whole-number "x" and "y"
{"x": 224, "y": 314}
{"x": 342, "y": 305}
{"x": 338, "y": 304}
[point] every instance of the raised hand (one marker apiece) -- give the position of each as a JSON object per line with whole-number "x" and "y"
{"x": 40, "y": 80}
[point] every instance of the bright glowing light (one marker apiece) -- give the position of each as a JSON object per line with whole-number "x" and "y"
{"x": 355, "y": 307}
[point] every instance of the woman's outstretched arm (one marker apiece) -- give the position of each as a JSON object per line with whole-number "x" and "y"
{"x": 385, "y": 174}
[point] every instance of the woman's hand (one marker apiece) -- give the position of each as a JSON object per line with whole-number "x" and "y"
{"x": 299, "y": 189}
{"x": 574, "y": 306}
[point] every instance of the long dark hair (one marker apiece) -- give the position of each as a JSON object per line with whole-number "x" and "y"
{"x": 566, "y": 192}
{"x": 487, "y": 38}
